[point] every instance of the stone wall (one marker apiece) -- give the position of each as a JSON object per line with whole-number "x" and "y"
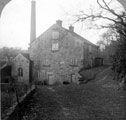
{"x": 65, "y": 61}
{"x": 21, "y": 62}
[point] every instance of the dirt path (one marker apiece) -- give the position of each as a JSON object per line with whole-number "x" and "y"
{"x": 77, "y": 102}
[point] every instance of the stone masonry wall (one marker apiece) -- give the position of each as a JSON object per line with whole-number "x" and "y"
{"x": 22, "y": 62}
{"x": 59, "y": 66}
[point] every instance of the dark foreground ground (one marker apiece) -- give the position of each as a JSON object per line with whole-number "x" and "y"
{"x": 91, "y": 101}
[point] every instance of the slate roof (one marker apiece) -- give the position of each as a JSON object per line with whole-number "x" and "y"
{"x": 80, "y": 37}
{"x": 73, "y": 33}
{"x": 26, "y": 55}
{"x": 2, "y": 64}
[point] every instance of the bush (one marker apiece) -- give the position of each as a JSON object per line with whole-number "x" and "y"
{"x": 6, "y": 100}
{"x": 44, "y": 82}
{"x": 123, "y": 83}
{"x": 39, "y": 83}
{"x": 57, "y": 83}
{"x": 119, "y": 58}
{"x": 8, "y": 94}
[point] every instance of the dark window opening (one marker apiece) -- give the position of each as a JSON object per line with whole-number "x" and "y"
{"x": 20, "y": 72}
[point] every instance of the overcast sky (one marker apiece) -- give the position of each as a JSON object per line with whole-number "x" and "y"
{"x": 15, "y": 20}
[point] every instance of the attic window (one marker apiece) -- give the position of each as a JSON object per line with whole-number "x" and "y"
{"x": 55, "y": 46}
{"x": 55, "y": 35}
{"x": 90, "y": 49}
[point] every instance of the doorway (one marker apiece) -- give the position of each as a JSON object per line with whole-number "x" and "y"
{"x": 51, "y": 79}
{"x": 73, "y": 78}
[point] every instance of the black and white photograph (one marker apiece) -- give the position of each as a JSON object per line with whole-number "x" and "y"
{"x": 62, "y": 59}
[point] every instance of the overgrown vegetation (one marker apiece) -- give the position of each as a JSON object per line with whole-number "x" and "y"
{"x": 8, "y": 94}
{"x": 11, "y": 92}
{"x": 119, "y": 58}
{"x": 114, "y": 41}
{"x": 7, "y": 52}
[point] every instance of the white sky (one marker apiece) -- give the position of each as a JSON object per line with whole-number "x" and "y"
{"x": 15, "y": 20}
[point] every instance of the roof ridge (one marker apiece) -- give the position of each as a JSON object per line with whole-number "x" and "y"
{"x": 26, "y": 55}
{"x": 42, "y": 33}
{"x": 74, "y": 33}
{"x": 79, "y": 36}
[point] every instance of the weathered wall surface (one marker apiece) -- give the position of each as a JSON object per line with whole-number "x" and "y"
{"x": 21, "y": 62}
{"x": 63, "y": 63}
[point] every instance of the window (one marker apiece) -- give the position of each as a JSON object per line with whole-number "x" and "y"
{"x": 55, "y": 46}
{"x": 46, "y": 63}
{"x": 73, "y": 62}
{"x": 55, "y": 35}
{"x": 20, "y": 72}
{"x": 90, "y": 49}
{"x": 38, "y": 74}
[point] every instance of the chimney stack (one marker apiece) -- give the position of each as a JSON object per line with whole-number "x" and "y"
{"x": 71, "y": 28}
{"x": 59, "y": 23}
{"x": 33, "y": 21}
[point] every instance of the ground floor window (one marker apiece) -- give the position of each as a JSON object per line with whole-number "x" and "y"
{"x": 20, "y": 72}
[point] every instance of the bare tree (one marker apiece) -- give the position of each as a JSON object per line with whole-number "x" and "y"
{"x": 123, "y": 2}
{"x": 117, "y": 24}
{"x": 113, "y": 17}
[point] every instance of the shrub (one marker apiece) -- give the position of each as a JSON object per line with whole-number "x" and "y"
{"x": 6, "y": 100}
{"x": 57, "y": 83}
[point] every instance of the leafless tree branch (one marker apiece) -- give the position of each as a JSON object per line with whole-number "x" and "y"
{"x": 120, "y": 18}
{"x": 107, "y": 8}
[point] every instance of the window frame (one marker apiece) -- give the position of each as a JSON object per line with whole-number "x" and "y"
{"x": 46, "y": 63}
{"x": 55, "y": 46}
{"x": 55, "y": 35}
{"x": 74, "y": 62}
{"x": 20, "y": 72}
{"x": 90, "y": 49}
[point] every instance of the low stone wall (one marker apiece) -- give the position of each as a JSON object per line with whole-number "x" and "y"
{"x": 13, "y": 113}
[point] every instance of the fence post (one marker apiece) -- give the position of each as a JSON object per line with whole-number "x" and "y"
{"x": 17, "y": 98}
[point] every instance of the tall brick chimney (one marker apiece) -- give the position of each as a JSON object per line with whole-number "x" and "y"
{"x": 71, "y": 28}
{"x": 59, "y": 23}
{"x": 33, "y": 21}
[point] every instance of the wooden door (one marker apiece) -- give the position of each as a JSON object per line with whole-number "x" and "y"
{"x": 73, "y": 77}
{"x": 51, "y": 79}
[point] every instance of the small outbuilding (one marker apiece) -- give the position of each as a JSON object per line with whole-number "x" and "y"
{"x": 22, "y": 68}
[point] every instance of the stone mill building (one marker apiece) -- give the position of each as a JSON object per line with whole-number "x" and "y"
{"x": 59, "y": 53}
